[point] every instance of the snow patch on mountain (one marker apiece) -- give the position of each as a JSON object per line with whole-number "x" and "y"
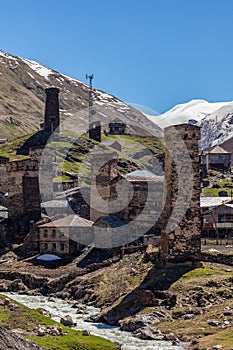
{"x": 194, "y": 111}
{"x": 217, "y": 127}
{"x": 38, "y": 68}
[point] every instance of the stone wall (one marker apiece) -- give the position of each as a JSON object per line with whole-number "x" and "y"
{"x": 3, "y": 175}
{"x": 23, "y": 196}
{"x": 103, "y": 171}
{"x": 181, "y": 220}
{"x": 95, "y": 131}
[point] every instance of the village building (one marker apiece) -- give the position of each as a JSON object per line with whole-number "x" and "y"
{"x": 65, "y": 236}
{"x": 117, "y": 127}
{"x": 216, "y": 159}
{"x": 217, "y": 216}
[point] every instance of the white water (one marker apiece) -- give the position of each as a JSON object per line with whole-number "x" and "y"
{"x": 59, "y": 308}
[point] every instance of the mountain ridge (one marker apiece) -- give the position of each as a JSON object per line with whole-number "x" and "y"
{"x": 22, "y": 85}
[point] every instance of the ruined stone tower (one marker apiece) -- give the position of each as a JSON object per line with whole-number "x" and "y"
{"x": 23, "y": 195}
{"x": 95, "y": 131}
{"x": 51, "y": 116}
{"x": 180, "y": 239}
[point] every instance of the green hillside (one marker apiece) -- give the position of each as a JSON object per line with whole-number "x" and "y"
{"x": 71, "y": 152}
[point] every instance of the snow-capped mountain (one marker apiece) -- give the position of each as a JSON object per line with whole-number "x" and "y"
{"x": 22, "y": 84}
{"x": 217, "y": 127}
{"x": 193, "y": 111}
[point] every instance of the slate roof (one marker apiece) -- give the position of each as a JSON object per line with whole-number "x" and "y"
{"x": 112, "y": 221}
{"x": 218, "y": 150}
{"x": 69, "y": 221}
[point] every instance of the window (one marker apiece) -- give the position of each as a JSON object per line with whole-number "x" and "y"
{"x": 54, "y": 246}
{"x": 62, "y": 246}
{"x": 45, "y": 246}
{"x": 45, "y": 233}
{"x": 53, "y": 233}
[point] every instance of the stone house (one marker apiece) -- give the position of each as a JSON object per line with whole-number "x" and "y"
{"x": 216, "y": 159}
{"x": 117, "y": 127}
{"x": 65, "y": 236}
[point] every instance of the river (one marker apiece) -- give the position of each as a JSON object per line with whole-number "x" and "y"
{"x": 59, "y": 308}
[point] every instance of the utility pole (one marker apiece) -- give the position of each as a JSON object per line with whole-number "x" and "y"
{"x": 90, "y": 77}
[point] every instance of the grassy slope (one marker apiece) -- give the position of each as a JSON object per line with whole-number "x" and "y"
{"x": 71, "y": 153}
{"x": 25, "y": 320}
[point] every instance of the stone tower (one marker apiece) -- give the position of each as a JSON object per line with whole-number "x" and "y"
{"x": 180, "y": 238}
{"x": 95, "y": 131}
{"x": 23, "y": 195}
{"x": 51, "y": 116}
{"x": 103, "y": 171}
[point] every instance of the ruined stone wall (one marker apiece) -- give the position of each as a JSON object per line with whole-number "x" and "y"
{"x": 181, "y": 220}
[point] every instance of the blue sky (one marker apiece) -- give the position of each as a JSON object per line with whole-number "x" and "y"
{"x": 155, "y": 53}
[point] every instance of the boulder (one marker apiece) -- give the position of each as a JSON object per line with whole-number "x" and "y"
{"x": 67, "y": 321}
{"x": 85, "y": 333}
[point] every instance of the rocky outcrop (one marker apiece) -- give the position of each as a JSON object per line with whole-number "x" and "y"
{"x": 10, "y": 340}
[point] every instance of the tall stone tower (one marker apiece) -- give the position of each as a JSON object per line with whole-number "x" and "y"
{"x": 51, "y": 116}
{"x": 103, "y": 171}
{"x": 23, "y": 196}
{"x": 180, "y": 239}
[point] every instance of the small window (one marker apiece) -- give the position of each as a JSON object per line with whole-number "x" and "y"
{"x": 62, "y": 246}
{"x": 54, "y": 246}
{"x": 185, "y": 136}
{"x": 45, "y": 233}
{"x": 45, "y": 246}
{"x": 53, "y": 233}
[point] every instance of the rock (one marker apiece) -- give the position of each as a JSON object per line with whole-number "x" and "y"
{"x": 41, "y": 331}
{"x": 148, "y": 333}
{"x": 146, "y": 298}
{"x": 7, "y": 301}
{"x": 3, "y": 287}
{"x": 45, "y": 313}
{"x": 217, "y": 347}
{"x": 198, "y": 288}
{"x": 10, "y": 340}
{"x": 201, "y": 302}
{"x": 67, "y": 321}
{"x": 188, "y": 316}
{"x": 227, "y": 323}
{"x": 213, "y": 323}
{"x": 85, "y": 332}
{"x": 16, "y": 286}
{"x": 52, "y": 299}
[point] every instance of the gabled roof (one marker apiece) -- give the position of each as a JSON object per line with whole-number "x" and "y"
{"x": 69, "y": 221}
{"x": 218, "y": 150}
